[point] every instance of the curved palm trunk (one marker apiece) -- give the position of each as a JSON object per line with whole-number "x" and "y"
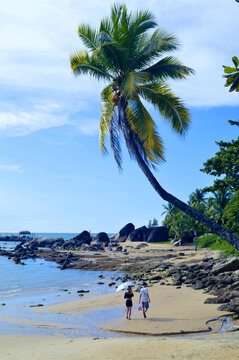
{"x": 209, "y": 223}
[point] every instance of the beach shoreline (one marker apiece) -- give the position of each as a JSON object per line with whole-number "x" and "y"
{"x": 177, "y": 318}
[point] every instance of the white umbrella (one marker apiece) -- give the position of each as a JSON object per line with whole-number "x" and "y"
{"x": 124, "y": 286}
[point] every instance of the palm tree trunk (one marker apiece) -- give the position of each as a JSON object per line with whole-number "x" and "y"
{"x": 209, "y": 223}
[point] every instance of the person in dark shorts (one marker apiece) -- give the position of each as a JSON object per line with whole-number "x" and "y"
{"x": 128, "y": 296}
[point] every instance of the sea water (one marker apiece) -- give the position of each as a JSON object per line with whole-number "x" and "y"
{"x": 42, "y": 282}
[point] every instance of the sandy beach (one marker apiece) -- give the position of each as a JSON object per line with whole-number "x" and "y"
{"x": 212, "y": 347}
{"x": 177, "y": 326}
{"x": 172, "y": 311}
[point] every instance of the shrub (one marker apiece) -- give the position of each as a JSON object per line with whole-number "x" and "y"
{"x": 215, "y": 242}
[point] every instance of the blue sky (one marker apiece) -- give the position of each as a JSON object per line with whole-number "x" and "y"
{"x": 53, "y": 177}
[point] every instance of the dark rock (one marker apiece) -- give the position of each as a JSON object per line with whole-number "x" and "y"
{"x": 69, "y": 244}
{"x": 138, "y": 234}
{"x": 211, "y": 301}
{"x": 156, "y": 277}
{"x": 124, "y": 232}
{"x": 231, "y": 263}
{"x": 177, "y": 283}
{"x": 100, "y": 283}
{"x": 82, "y": 291}
{"x": 119, "y": 248}
{"x": 232, "y": 306}
{"x": 95, "y": 247}
{"x": 101, "y": 239}
{"x": 43, "y": 241}
{"x": 84, "y": 247}
{"x": 33, "y": 245}
{"x": 227, "y": 297}
{"x": 111, "y": 283}
{"x": 157, "y": 234}
{"x": 83, "y": 238}
{"x": 113, "y": 243}
{"x": 199, "y": 285}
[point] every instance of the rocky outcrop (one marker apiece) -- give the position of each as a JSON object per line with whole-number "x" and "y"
{"x": 231, "y": 263}
{"x": 123, "y": 234}
{"x": 157, "y": 234}
{"x": 43, "y": 241}
{"x": 101, "y": 239}
{"x": 138, "y": 234}
{"x": 83, "y": 238}
{"x": 78, "y": 241}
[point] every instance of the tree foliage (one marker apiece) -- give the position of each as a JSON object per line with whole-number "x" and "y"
{"x": 231, "y": 213}
{"x": 153, "y": 223}
{"x": 129, "y": 52}
{"x": 232, "y": 75}
{"x": 225, "y": 163}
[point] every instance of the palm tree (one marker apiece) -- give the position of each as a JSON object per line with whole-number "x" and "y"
{"x": 196, "y": 200}
{"x": 216, "y": 205}
{"x": 127, "y": 52}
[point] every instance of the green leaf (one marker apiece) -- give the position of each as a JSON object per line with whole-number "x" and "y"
{"x": 235, "y": 61}
{"x": 229, "y": 70}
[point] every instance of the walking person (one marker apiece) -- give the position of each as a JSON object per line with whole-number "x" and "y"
{"x": 129, "y": 303}
{"x": 144, "y": 297}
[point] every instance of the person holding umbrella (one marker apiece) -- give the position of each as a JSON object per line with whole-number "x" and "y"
{"x": 129, "y": 303}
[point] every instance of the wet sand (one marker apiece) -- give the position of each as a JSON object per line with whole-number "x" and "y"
{"x": 172, "y": 311}
{"x": 54, "y": 348}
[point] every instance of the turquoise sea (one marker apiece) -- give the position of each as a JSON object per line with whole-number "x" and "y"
{"x": 42, "y": 282}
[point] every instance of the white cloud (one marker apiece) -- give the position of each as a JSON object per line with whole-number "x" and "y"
{"x": 35, "y": 47}
{"x": 14, "y": 168}
{"x": 23, "y": 123}
{"x": 88, "y": 126}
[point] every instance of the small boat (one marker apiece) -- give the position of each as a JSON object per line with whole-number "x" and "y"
{"x": 21, "y": 236}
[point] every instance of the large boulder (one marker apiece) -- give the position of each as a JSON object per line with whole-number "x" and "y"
{"x": 123, "y": 234}
{"x": 231, "y": 263}
{"x": 43, "y": 241}
{"x": 69, "y": 244}
{"x": 83, "y": 238}
{"x": 101, "y": 239}
{"x": 157, "y": 234}
{"x": 138, "y": 234}
{"x": 77, "y": 241}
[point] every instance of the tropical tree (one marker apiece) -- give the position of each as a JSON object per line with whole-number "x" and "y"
{"x": 196, "y": 200}
{"x": 231, "y": 213}
{"x": 153, "y": 223}
{"x": 128, "y": 52}
{"x": 215, "y": 205}
{"x": 232, "y": 75}
{"x": 224, "y": 165}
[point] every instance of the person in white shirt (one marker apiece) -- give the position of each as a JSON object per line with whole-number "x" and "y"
{"x": 144, "y": 297}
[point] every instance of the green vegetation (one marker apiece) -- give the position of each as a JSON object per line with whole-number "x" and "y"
{"x": 231, "y": 213}
{"x": 128, "y": 52}
{"x": 215, "y": 242}
{"x": 224, "y": 163}
{"x": 232, "y": 75}
{"x": 153, "y": 223}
